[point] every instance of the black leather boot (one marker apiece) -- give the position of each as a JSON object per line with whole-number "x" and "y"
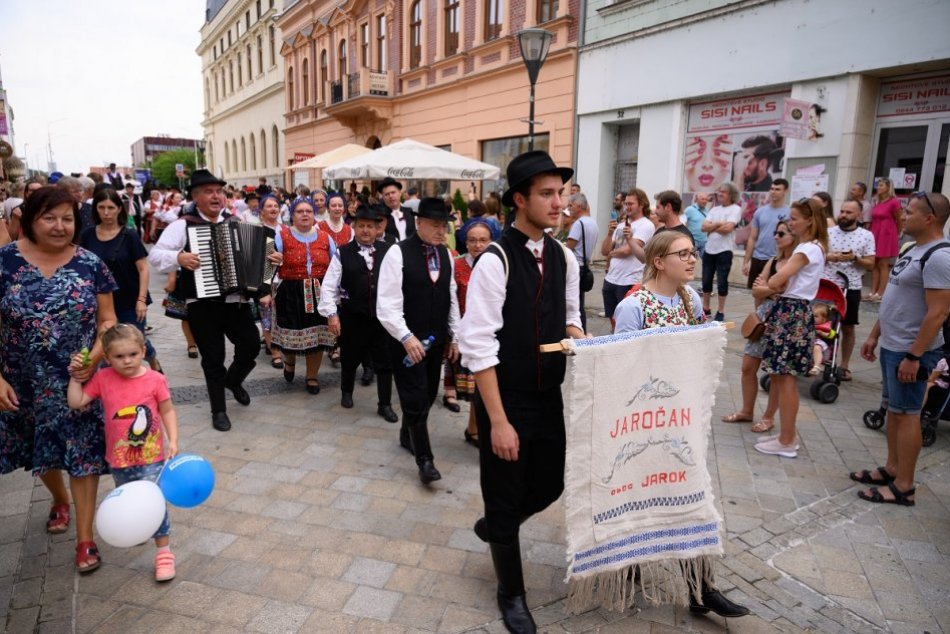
{"x": 511, "y": 594}
{"x": 419, "y": 435}
{"x": 713, "y": 599}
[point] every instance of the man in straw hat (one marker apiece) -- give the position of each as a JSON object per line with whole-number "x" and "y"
{"x": 529, "y": 284}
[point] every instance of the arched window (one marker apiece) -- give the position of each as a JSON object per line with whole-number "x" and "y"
{"x": 381, "y": 43}
{"x": 211, "y": 155}
{"x": 227, "y": 159}
{"x": 240, "y": 70}
{"x": 323, "y": 74}
{"x": 305, "y": 80}
{"x": 263, "y": 150}
{"x": 272, "y": 58}
{"x": 260, "y": 54}
{"x": 451, "y": 27}
{"x": 492, "y": 19}
{"x": 250, "y": 68}
{"x": 342, "y": 60}
{"x": 290, "y": 88}
{"x": 217, "y": 93}
{"x": 275, "y": 140}
{"x": 243, "y": 155}
{"x": 415, "y": 34}
{"x": 234, "y": 155}
{"x": 250, "y": 138}
{"x": 231, "y": 75}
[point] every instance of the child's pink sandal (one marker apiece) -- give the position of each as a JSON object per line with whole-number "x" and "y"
{"x": 164, "y": 566}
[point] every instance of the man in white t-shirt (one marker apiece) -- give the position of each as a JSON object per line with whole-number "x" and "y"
{"x": 582, "y": 238}
{"x": 624, "y": 247}
{"x": 850, "y": 254}
{"x": 720, "y": 226}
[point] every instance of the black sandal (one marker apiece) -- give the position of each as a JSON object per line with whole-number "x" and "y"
{"x": 900, "y": 497}
{"x": 289, "y": 372}
{"x": 313, "y": 386}
{"x": 867, "y": 477}
{"x": 277, "y": 362}
{"x": 192, "y": 352}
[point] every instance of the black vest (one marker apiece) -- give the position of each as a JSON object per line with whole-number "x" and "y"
{"x": 425, "y": 303}
{"x": 186, "y": 279}
{"x": 357, "y": 282}
{"x": 535, "y": 312}
{"x": 391, "y": 223}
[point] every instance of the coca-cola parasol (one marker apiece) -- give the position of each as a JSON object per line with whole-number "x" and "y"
{"x": 412, "y": 160}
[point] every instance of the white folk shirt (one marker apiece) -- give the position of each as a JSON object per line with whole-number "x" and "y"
{"x": 330, "y": 292}
{"x": 389, "y": 299}
{"x": 164, "y": 255}
{"x": 399, "y": 218}
{"x": 486, "y": 293}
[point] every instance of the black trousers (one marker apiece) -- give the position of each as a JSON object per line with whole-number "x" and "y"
{"x": 362, "y": 337}
{"x": 211, "y": 321}
{"x": 515, "y": 490}
{"x": 417, "y": 385}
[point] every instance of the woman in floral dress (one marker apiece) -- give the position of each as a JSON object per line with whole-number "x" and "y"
{"x": 54, "y": 298}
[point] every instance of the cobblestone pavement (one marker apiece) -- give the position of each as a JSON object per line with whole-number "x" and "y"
{"x": 318, "y": 523}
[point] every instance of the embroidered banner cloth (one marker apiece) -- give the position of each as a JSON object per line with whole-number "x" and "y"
{"x": 638, "y": 495}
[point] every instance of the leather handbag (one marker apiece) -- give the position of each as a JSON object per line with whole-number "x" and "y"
{"x": 753, "y": 328}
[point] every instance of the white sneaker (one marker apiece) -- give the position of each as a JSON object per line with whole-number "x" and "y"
{"x": 602, "y": 314}
{"x": 765, "y": 439}
{"x": 775, "y": 448}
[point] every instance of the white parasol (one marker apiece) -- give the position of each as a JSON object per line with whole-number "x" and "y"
{"x": 408, "y": 159}
{"x": 342, "y": 153}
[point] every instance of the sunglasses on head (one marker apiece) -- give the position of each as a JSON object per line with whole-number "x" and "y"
{"x": 923, "y": 194}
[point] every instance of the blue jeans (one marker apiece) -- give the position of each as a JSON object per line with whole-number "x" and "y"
{"x": 905, "y": 398}
{"x": 718, "y": 264}
{"x": 148, "y": 472}
{"x": 613, "y": 295}
{"x": 127, "y": 316}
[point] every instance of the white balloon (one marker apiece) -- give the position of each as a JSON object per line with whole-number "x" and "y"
{"x": 130, "y": 514}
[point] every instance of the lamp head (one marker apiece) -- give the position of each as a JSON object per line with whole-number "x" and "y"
{"x": 534, "y": 45}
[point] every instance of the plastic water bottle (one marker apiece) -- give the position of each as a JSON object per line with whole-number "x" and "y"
{"x": 426, "y": 344}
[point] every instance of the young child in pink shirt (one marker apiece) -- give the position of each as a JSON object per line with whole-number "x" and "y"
{"x": 137, "y": 405}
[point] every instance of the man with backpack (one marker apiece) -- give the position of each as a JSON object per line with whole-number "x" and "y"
{"x": 910, "y": 329}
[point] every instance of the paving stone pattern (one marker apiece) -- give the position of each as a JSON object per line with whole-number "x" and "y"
{"x": 318, "y": 524}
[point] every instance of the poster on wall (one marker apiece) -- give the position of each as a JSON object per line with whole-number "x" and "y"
{"x": 736, "y": 140}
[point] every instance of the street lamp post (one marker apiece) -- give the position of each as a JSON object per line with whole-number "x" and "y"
{"x": 534, "y": 44}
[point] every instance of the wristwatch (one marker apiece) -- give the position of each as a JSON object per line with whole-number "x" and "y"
{"x": 911, "y": 357}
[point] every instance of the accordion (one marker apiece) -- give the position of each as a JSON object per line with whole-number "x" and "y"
{"x": 233, "y": 258}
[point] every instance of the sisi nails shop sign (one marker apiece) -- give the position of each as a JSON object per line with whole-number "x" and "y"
{"x": 750, "y": 111}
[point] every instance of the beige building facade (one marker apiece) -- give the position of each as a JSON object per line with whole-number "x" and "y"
{"x": 444, "y": 72}
{"x": 242, "y": 73}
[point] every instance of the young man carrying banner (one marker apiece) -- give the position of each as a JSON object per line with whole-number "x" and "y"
{"x": 529, "y": 284}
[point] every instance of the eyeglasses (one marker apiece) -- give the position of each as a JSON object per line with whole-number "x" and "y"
{"x": 684, "y": 254}
{"x": 923, "y": 194}
{"x": 780, "y": 234}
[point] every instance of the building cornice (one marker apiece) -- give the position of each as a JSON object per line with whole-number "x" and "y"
{"x": 621, "y": 6}
{"x": 220, "y": 27}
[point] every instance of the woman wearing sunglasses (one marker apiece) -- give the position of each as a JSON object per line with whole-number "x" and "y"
{"x": 787, "y": 347}
{"x": 752, "y": 354}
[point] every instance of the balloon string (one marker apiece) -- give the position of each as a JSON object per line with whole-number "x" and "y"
{"x": 164, "y": 465}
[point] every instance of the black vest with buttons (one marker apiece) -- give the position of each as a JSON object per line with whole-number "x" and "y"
{"x": 425, "y": 303}
{"x": 357, "y": 283}
{"x": 534, "y": 313}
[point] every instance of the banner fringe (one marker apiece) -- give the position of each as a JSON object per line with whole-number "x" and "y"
{"x": 661, "y": 582}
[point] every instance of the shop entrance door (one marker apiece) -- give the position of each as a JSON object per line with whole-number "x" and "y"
{"x": 919, "y": 148}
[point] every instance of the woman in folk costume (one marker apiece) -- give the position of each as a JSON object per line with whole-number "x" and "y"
{"x": 298, "y": 328}
{"x": 666, "y": 300}
{"x": 341, "y": 233}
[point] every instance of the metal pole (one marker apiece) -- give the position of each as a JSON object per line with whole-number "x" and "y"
{"x": 531, "y": 119}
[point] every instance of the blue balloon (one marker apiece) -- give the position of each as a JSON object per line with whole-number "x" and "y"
{"x": 187, "y": 480}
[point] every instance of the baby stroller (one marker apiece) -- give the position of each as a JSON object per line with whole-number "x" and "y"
{"x": 824, "y": 387}
{"x": 936, "y": 408}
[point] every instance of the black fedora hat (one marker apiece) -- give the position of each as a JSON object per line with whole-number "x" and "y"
{"x": 364, "y": 212}
{"x": 525, "y": 166}
{"x": 204, "y": 177}
{"x": 433, "y": 209}
{"x": 386, "y": 182}
{"x": 381, "y": 210}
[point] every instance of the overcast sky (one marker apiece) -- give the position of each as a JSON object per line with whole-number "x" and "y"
{"x": 99, "y": 75}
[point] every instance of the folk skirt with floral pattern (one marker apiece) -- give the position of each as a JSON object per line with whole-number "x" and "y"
{"x": 297, "y": 327}
{"x": 788, "y": 337}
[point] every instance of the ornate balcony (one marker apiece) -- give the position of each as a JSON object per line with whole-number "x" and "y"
{"x": 361, "y": 97}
